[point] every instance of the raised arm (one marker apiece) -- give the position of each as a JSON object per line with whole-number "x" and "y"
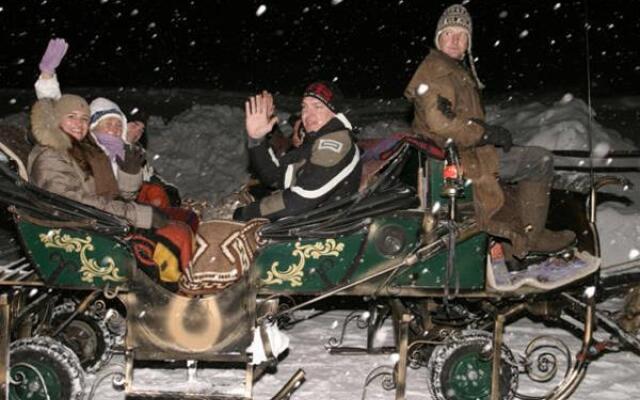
{"x": 47, "y": 85}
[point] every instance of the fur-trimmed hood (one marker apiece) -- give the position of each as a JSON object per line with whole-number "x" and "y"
{"x": 46, "y": 115}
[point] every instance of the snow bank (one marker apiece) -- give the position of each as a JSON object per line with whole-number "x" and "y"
{"x": 563, "y": 126}
{"x": 201, "y": 150}
{"x": 619, "y": 229}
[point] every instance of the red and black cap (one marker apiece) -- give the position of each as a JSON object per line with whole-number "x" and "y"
{"x": 328, "y": 93}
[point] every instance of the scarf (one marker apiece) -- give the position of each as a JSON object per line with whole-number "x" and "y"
{"x": 114, "y": 145}
{"x": 94, "y": 162}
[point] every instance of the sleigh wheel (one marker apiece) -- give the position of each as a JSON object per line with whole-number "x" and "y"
{"x": 86, "y": 335}
{"x": 42, "y": 368}
{"x": 461, "y": 369}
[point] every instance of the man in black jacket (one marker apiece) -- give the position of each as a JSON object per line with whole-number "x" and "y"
{"x": 326, "y": 167}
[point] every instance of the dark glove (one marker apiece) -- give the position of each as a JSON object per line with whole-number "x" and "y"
{"x": 495, "y": 135}
{"x": 247, "y": 212}
{"x": 445, "y": 107}
{"x": 158, "y": 219}
{"x": 133, "y": 160}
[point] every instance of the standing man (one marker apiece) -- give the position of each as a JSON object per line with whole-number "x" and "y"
{"x": 445, "y": 94}
{"x": 324, "y": 168}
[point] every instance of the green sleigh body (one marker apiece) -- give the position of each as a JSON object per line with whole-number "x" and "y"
{"x": 72, "y": 258}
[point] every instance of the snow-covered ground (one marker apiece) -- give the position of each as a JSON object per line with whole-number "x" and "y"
{"x": 202, "y": 151}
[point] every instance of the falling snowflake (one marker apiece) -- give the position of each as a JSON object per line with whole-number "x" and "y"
{"x": 134, "y": 12}
{"x": 261, "y": 10}
{"x": 568, "y": 97}
{"x": 336, "y": 2}
{"x": 601, "y": 149}
{"x": 524, "y": 34}
{"x": 12, "y": 101}
{"x": 590, "y": 291}
{"x": 558, "y": 5}
{"x": 634, "y": 253}
{"x": 503, "y": 14}
{"x": 422, "y": 89}
{"x": 497, "y": 43}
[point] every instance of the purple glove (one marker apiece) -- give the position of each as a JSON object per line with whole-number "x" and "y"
{"x": 53, "y": 55}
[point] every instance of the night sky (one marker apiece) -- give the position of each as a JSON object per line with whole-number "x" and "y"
{"x": 370, "y": 47}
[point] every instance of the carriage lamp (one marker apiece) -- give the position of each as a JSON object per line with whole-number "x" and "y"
{"x": 453, "y": 183}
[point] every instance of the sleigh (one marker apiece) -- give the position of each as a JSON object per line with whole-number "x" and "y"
{"x": 72, "y": 294}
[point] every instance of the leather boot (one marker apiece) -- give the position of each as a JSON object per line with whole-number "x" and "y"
{"x": 533, "y": 199}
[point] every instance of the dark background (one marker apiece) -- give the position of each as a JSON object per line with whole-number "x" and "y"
{"x": 372, "y": 47}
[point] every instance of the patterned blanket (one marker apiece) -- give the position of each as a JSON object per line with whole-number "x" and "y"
{"x": 224, "y": 252}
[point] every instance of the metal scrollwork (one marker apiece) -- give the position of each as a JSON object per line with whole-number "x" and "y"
{"x": 544, "y": 357}
{"x": 294, "y": 272}
{"x": 362, "y": 322}
{"x": 542, "y": 363}
{"x": 90, "y": 269}
{"x": 386, "y": 373}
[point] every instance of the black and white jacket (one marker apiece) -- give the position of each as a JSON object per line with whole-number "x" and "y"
{"x": 325, "y": 167}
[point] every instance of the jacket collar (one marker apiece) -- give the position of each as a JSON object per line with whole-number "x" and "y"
{"x": 337, "y": 123}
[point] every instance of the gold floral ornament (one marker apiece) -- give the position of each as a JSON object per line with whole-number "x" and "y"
{"x": 89, "y": 268}
{"x": 294, "y": 273}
